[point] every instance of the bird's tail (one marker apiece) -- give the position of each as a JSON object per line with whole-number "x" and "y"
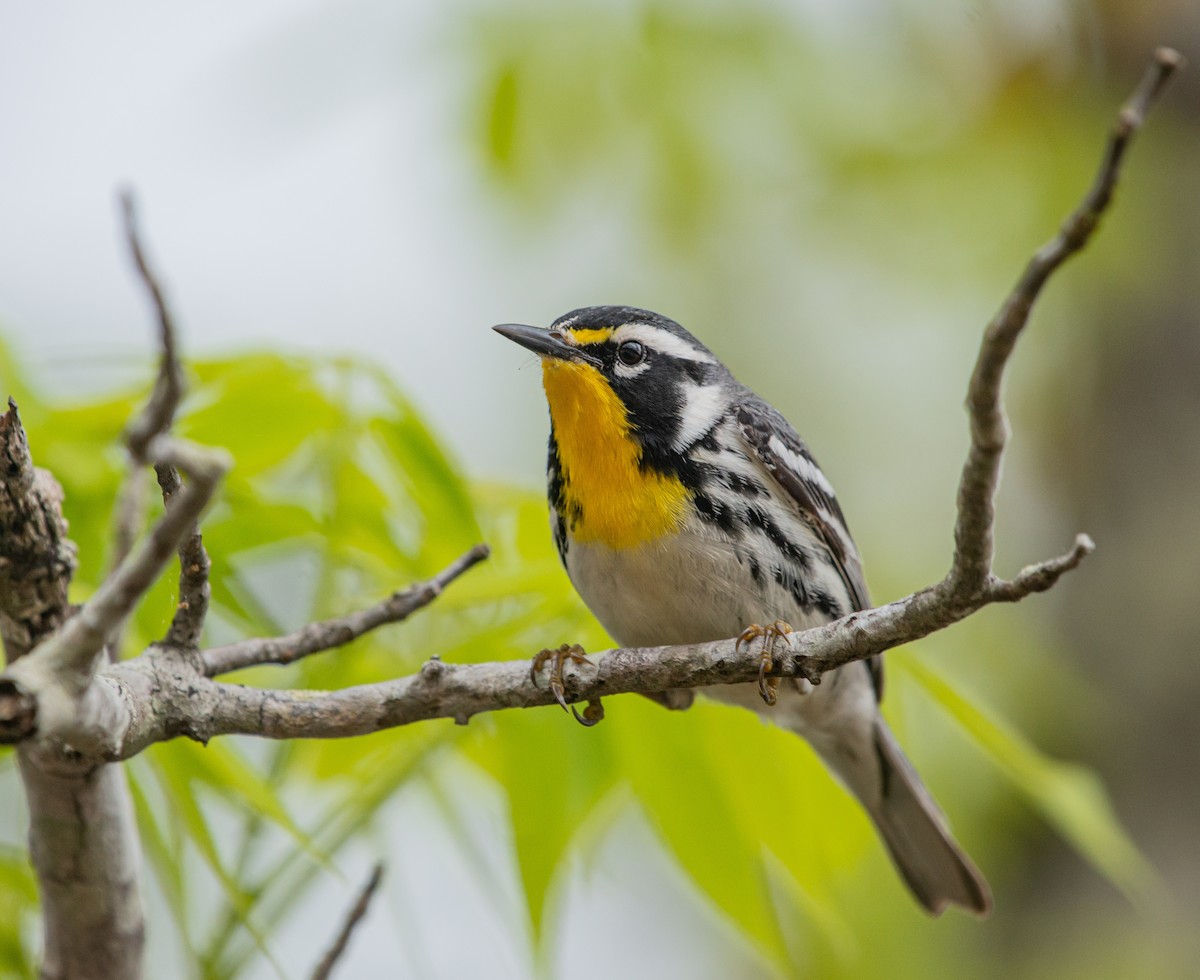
{"x": 917, "y": 836}
{"x": 841, "y": 721}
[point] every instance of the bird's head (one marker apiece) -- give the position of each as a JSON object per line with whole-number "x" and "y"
{"x": 621, "y": 373}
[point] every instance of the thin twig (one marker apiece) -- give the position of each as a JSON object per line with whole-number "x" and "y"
{"x": 973, "y": 534}
{"x": 330, "y": 633}
{"x": 355, "y": 916}
{"x": 156, "y": 415}
{"x": 159, "y": 411}
{"x": 1042, "y": 576}
{"x": 194, "y": 564}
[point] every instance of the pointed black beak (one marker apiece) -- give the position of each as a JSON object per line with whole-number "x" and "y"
{"x": 544, "y": 343}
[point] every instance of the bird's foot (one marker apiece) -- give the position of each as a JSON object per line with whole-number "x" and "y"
{"x": 768, "y": 686}
{"x": 593, "y": 714}
{"x": 558, "y": 659}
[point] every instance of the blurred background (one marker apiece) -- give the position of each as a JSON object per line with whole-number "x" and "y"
{"x": 835, "y": 196}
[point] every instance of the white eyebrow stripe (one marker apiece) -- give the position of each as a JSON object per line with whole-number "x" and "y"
{"x": 656, "y": 338}
{"x": 702, "y": 409}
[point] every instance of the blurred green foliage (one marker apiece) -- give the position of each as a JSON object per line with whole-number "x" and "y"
{"x": 340, "y": 494}
{"x": 18, "y": 908}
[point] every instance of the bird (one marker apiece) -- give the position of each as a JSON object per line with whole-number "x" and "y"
{"x": 685, "y": 508}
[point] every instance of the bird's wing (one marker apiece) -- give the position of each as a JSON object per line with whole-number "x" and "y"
{"x": 773, "y": 442}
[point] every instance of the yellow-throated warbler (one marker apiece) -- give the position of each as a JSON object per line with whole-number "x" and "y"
{"x": 686, "y": 509}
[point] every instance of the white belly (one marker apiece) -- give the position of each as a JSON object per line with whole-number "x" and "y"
{"x": 688, "y": 587}
{"x": 696, "y": 586}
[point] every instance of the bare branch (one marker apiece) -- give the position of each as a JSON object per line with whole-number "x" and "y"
{"x": 1043, "y": 575}
{"x": 169, "y": 698}
{"x": 159, "y": 411}
{"x": 330, "y": 633}
{"x": 194, "y": 591}
{"x": 355, "y": 916}
{"x": 156, "y": 415}
{"x": 166, "y": 696}
{"x": 989, "y": 426}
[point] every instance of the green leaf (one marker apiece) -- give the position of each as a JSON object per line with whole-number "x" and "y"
{"x": 734, "y": 797}
{"x": 1069, "y": 796}
{"x": 188, "y": 816}
{"x": 163, "y": 858}
{"x": 276, "y": 891}
{"x": 222, "y": 769}
{"x": 689, "y": 803}
{"x": 554, "y": 772}
{"x": 18, "y": 905}
{"x": 259, "y": 387}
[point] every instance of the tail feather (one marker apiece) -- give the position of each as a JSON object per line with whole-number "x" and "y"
{"x": 841, "y": 721}
{"x": 918, "y": 839}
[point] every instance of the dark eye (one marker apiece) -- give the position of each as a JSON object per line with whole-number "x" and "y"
{"x": 630, "y": 353}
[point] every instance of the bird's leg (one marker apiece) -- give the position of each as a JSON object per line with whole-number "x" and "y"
{"x": 768, "y": 687}
{"x": 557, "y": 659}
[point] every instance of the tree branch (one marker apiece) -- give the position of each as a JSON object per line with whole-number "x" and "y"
{"x": 330, "y": 633}
{"x": 154, "y": 419}
{"x": 974, "y": 545}
{"x": 1043, "y": 575}
{"x": 158, "y": 413}
{"x": 192, "y": 706}
{"x": 194, "y": 591}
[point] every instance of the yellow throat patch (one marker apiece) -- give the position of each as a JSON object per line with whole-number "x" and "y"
{"x": 620, "y": 503}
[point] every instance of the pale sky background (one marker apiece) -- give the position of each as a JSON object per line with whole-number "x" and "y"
{"x": 275, "y": 218}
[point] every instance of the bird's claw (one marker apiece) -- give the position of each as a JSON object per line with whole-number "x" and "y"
{"x": 768, "y": 687}
{"x": 593, "y": 714}
{"x": 557, "y": 659}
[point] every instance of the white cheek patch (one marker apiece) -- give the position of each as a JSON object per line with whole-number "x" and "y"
{"x": 702, "y": 409}
{"x": 658, "y": 339}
